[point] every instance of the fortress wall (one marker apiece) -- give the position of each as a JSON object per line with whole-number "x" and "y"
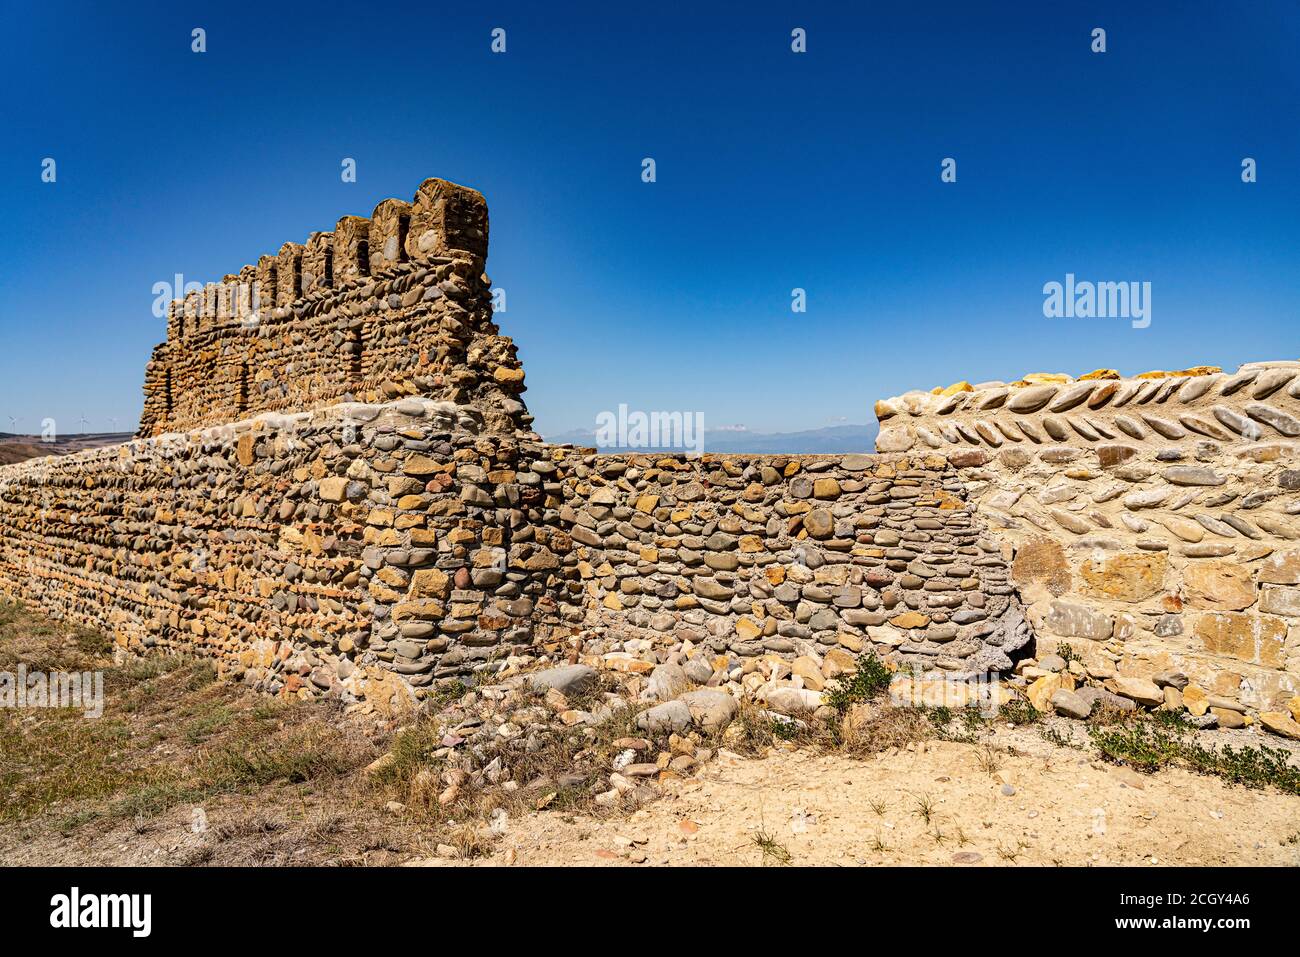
{"x": 814, "y": 558}
{"x": 1153, "y": 519}
{"x": 352, "y": 551}
{"x": 384, "y": 307}
{"x": 370, "y": 551}
{"x": 401, "y": 525}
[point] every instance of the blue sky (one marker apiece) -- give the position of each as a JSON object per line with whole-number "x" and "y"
{"x": 775, "y": 170}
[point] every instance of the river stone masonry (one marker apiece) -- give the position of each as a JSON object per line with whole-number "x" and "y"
{"x": 816, "y": 557}
{"x": 1150, "y": 521}
{"x": 335, "y": 491}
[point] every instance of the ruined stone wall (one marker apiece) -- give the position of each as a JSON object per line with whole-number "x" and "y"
{"x": 814, "y": 558}
{"x": 336, "y": 492}
{"x": 369, "y": 551}
{"x": 1152, "y": 519}
{"x": 394, "y": 305}
{"x": 327, "y": 552}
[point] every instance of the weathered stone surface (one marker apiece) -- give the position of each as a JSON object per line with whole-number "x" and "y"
{"x": 1041, "y": 691}
{"x": 1225, "y": 586}
{"x": 819, "y": 523}
{"x": 710, "y": 708}
{"x": 1125, "y": 577}
{"x": 1193, "y": 475}
{"x": 1030, "y": 399}
{"x": 1280, "y": 600}
{"x": 1042, "y": 561}
{"x": 570, "y": 679}
{"x": 1071, "y": 704}
{"x": 1254, "y": 638}
{"x": 1141, "y": 690}
{"x": 332, "y": 489}
{"x": 666, "y": 682}
{"x": 1280, "y": 723}
{"x": 669, "y": 716}
{"x": 898, "y": 439}
{"x": 1070, "y": 620}
{"x": 792, "y": 701}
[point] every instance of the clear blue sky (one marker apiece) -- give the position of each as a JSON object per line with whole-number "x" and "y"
{"x": 775, "y": 170}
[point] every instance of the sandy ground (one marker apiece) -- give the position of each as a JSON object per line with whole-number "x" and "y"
{"x": 1067, "y": 809}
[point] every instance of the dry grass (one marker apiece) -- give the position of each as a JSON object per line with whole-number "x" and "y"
{"x": 170, "y": 735}
{"x": 864, "y": 731}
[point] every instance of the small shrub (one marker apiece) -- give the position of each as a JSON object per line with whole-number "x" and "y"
{"x": 1019, "y": 711}
{"x": 1149, "y": 743}
{"x": 870, "y": 679}
{"x": 1143, "y": 745}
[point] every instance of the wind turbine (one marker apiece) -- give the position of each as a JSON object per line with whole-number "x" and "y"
{"x": 84, "y": 422}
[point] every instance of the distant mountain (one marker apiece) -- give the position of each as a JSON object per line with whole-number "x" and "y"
{"x": 738, "y": 439}
{"x": 19, "y": 448}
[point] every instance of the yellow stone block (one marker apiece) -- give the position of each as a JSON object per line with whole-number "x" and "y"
{"x": 1040, "y": 692}
{"x": 1047, "y": 377}
{"x": 391, "y": 576}
{"x": 1195, "y": 700}
{"x": 910, "y": 619}
{"x": 430, "y": 583}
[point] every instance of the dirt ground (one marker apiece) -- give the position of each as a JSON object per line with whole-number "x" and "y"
{"x": 789, "y": 808}
{"x": 187, "y": 770}
{"x": 825, "y": 810}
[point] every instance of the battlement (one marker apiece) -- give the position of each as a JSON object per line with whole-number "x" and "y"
{"x": 392, "y": 305}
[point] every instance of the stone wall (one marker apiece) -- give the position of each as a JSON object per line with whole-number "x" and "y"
{"x": 394, "y": 305}
{"x": 331, "y": 552}
{"x": 812, "y": 557}
{"x": 1152, "y": 519}
{"x": 336, "y": 492}
{"x": 322, "y": 552}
